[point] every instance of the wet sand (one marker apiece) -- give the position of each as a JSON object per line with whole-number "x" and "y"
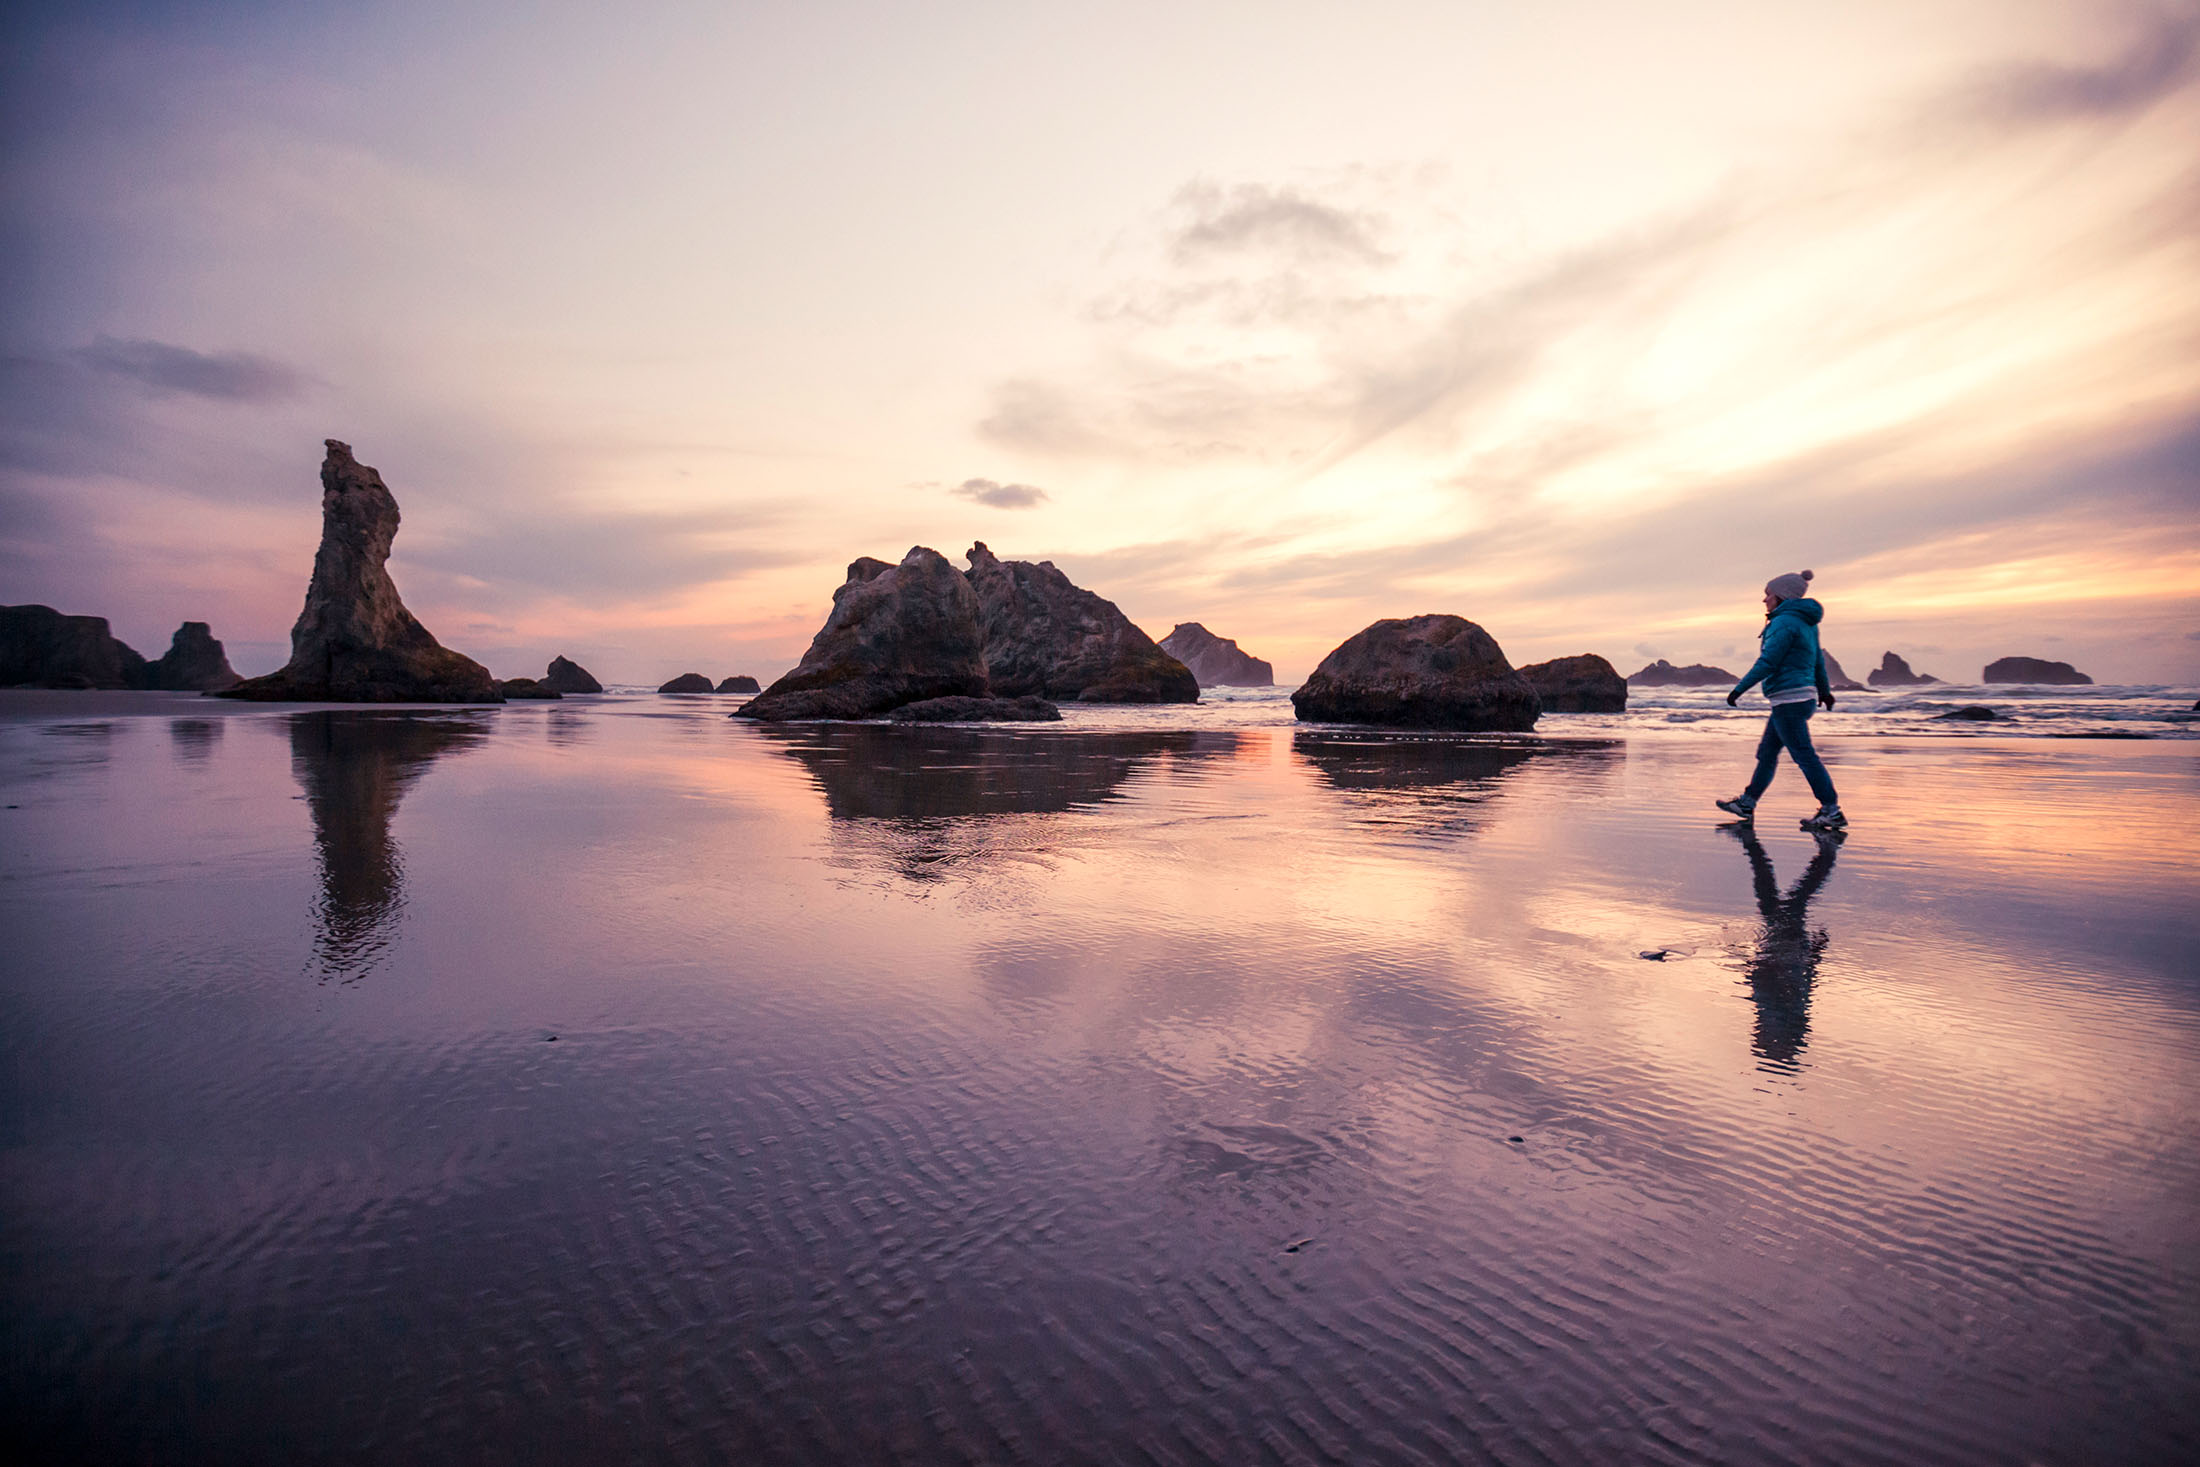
{"x": 601, "y": 1081}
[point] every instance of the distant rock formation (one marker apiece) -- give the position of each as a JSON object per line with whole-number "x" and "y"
{"x": 1216, "y": 661}
{"x": 687, "y": 682}
{"x": 527, "y": 687}
{"x": 740, "y": 684}
{"x": 1663, "y": 674}
{"x": 1044, "y": 635}
{"x": 1836, "y": 679}
{"x": 1584, "y": 684}
{"x": 1893, "y": 672}
{"x": 1419, "y": 672}
{"x": 1973, "y": 713}
{"x": 1027, "y": 709}
{"x": 194, "y": 663}
{"x": 566, "y": 676}
{"x": 2035, "y": 670}
{"x": 355, "y": 642}
{"x": 896, "y": 634}
{"x": 40, "y": 647}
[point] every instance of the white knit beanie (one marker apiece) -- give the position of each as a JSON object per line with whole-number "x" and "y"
{"x": 1789, "y": 586}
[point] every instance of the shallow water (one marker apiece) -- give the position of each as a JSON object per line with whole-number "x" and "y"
{"x": 611, "y": 1080}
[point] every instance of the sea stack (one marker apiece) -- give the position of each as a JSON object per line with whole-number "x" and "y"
{"x": 1045, "y": 635}
{"x": 897, "y": 634}
{"x": 1893, "y": 672}
{"x": 567, "y": 676}
{"x": 1420, "y": 672}
{"x": 1663, "y": 674}
{"x": 740, "y": 683}
{"x": 355, "y": 642}
{"x": 1216, "y": 661}
{"x": 40, "y": 647}
{"x": 1836, "y": 679}
{"x": 1584, "y": 684}
{"x": 194, "y": 663}
{"x": 2034, "y": 670}
{"x": 687, "y": 682}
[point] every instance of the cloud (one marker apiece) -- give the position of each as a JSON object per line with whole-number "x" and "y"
{"x": 2157, "y": 62}
{"x": 162, "y": 369}
{"x": 1255, "y": 218}
{"x": 1000, "y": 496}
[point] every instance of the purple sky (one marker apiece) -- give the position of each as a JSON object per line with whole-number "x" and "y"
{"x": 1580, "y": 320}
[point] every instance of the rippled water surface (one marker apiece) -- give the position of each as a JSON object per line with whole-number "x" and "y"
{"x": 609, "y": 1080}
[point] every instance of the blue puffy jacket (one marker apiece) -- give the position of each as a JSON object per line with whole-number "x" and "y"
{"x": 1788, "y": 655}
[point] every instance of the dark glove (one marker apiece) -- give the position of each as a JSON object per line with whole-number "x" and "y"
{"x": 1826, "y": 699}
{"x": 1734, "y": 698}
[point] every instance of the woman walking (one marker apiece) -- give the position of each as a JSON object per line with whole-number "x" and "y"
{"x": 1793, "y": 671}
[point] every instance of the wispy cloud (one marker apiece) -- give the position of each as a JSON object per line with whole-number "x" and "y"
{"x": 996, "y": 495}
{"x": 2157, "y": 61}
{"x": 1211, "y": 220}
{"x": 159, "y": 368}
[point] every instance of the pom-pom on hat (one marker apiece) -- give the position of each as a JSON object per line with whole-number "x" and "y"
{"x": 1789, "y": 586}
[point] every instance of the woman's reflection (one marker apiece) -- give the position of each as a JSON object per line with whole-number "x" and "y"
{"x": 1785, "y": 962}
{"x": 355, "y": 767}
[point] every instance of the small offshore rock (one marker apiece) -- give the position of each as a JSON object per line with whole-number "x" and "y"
{"x": 526, "y": 687}
{"x": 1031, "y": 708}
{"x": 1434, "y": 671}
{"x": 2034, "y": 670}
{"x": 687, "y": 682}
{"x": 568, "y": 676}
{"x": 1216, "y": 661}
{"x": 1663, "y": 674}
{"x": 740, "y": 683}
{"x": 1584, "y": 684}
{"x": 1836, "y": 679}
{"x": 1893, "y": 672}
{"x": 194, "y": 663}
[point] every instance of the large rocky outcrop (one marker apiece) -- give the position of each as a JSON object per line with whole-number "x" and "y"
{"x": 1045, "y": 635}
{"x": 355, "y": 642}
{"x": 566, "y": 676}
{"x": 41, "y": 647}
{"x": 897, "y": 634}
{"x": 1663, "y": 674}
{"x": 194, "y": 663}
{"x": 1893, "y": 672}
{"x": 740, "y": 683}
{"x": 1584, "y": 684}
{"x": 2034, "y": 670}
{"x": 1836, "y": 679}
{"x": 1216, "y": 661}
{"x": 1419, "y": 672}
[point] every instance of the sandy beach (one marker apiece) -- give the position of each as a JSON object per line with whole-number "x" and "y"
{"x": 615, "y": 1080}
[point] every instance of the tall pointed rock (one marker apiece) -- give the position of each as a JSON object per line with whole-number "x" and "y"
{"x": 355, "y": 642}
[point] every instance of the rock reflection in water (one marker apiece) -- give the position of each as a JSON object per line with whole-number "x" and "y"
{"x": 355, "y": 767}
{"x": 918, "y": 798}
{"x": 192, "y": 740}
{"x": 1432, "y": 784}
{"x": 1784, "y": 964}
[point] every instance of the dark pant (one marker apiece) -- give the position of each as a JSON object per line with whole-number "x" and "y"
{"x": 1789, "y": 728}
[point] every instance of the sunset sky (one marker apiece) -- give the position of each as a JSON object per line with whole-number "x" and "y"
{"x": 1580, "y": 320}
